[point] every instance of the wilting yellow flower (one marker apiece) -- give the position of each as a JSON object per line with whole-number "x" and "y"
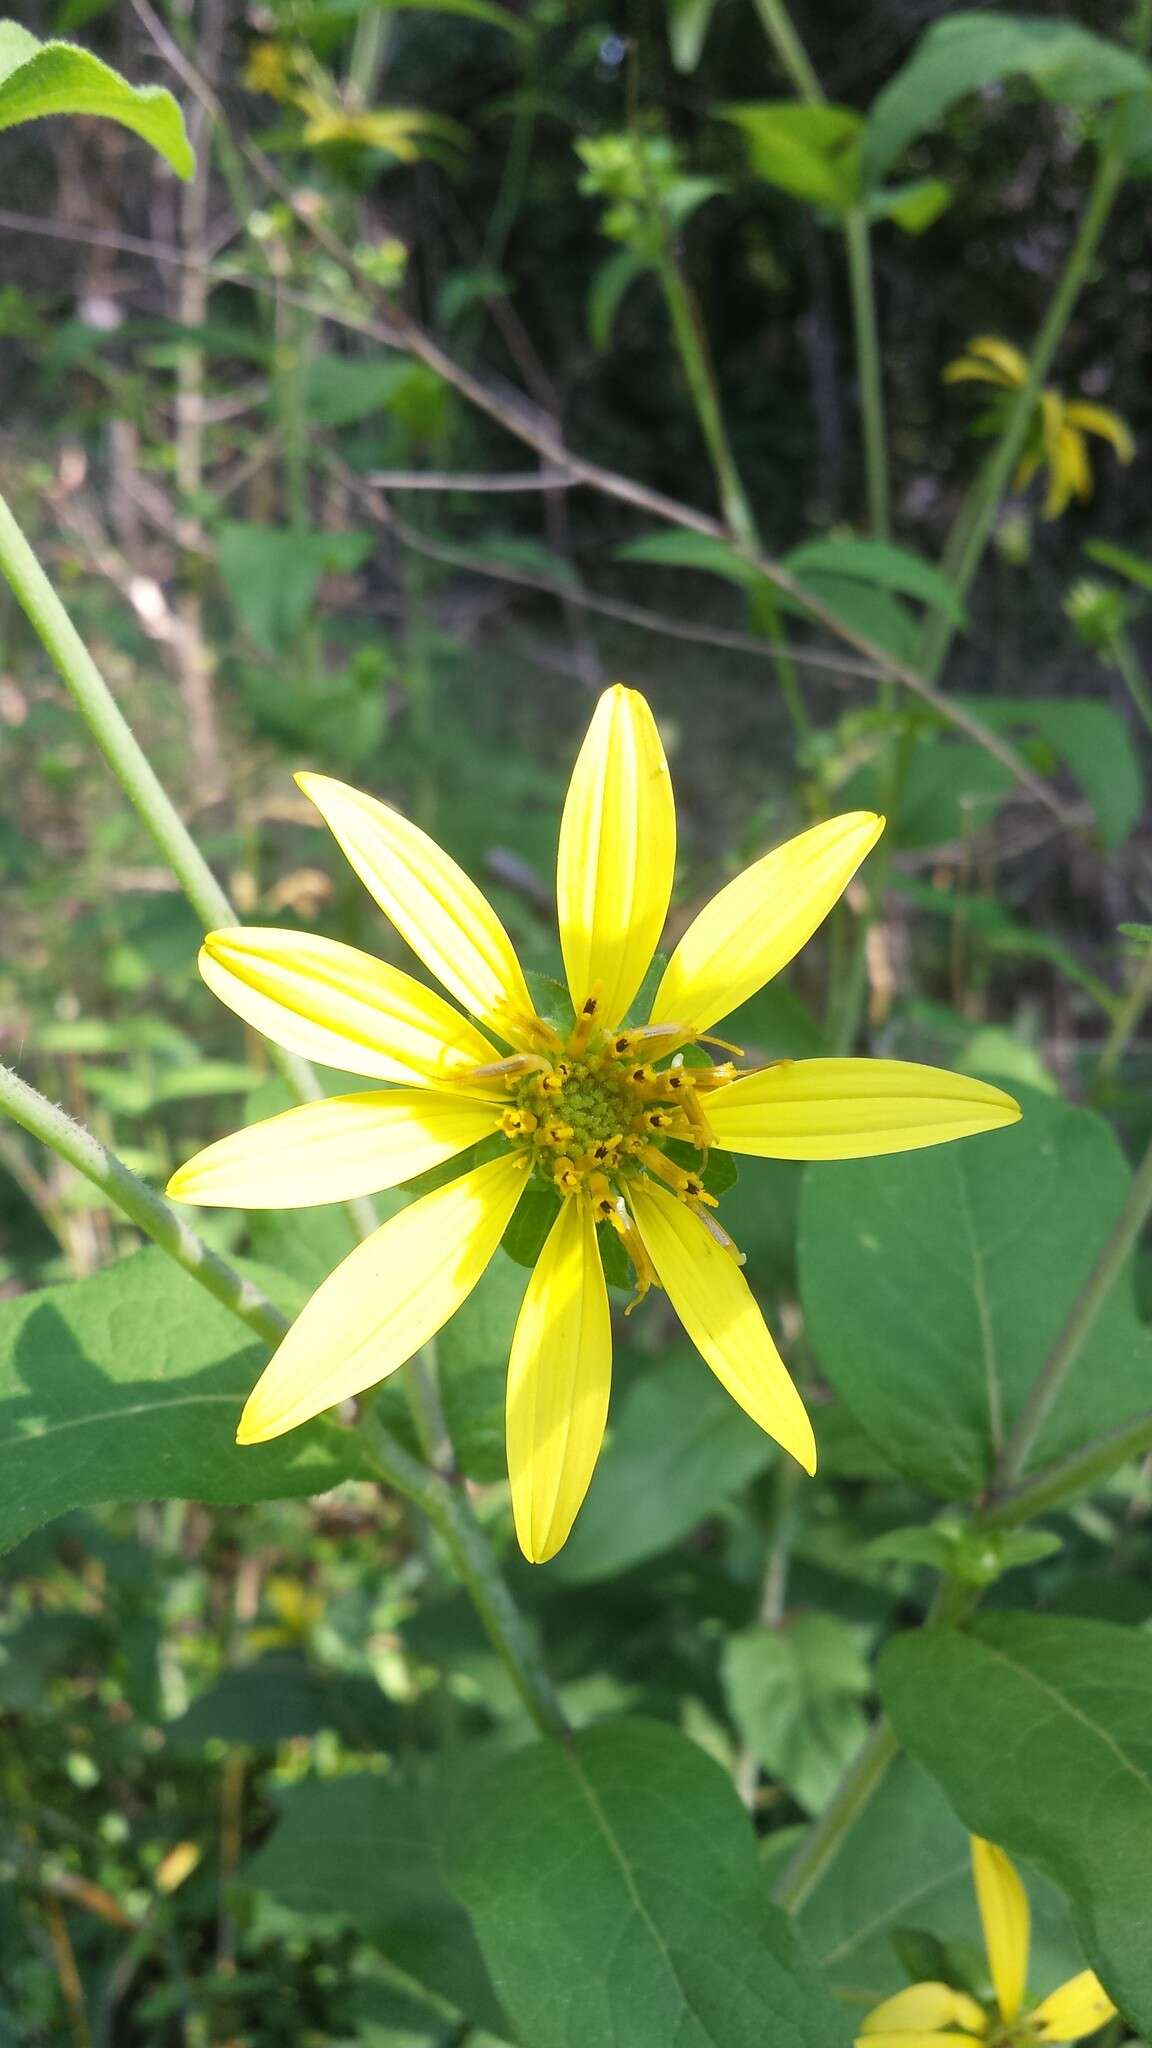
{"x": 927, "y": 2015}
{"x": 616, "y": 1117}
{"x": 1057, "y": 435}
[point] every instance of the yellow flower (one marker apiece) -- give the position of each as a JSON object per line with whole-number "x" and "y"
{"x": 616, "y": 1117}
{"x": 927, "y": 2015}
{"x": 1057, "y": 437}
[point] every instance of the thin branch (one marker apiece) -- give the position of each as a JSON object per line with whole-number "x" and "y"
{"x": 514, "y": 480}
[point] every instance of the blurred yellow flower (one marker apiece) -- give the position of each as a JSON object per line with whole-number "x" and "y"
{"x": 926, "y": 2015}
{"x": 615, "y": 1119}
{"x": 1057, "y": 438}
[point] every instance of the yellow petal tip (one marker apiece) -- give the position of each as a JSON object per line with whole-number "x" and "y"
{"x": 251, "y": 1430}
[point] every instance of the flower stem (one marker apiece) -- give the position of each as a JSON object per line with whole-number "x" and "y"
{"x": 777, "y": 25}
{"x": 692, "y": 349}
{"x": 148, "y": 1210}
{"x": 448, "y": 1509}
{"x": 1125, "y": 1019}
{"x": 1053, "y": 1375}
{"x": 1135, "y": 679}
{"x": 1072, "y": 1475}
{"x": 823, "y": 1841}
{"x": 858, "y": 244}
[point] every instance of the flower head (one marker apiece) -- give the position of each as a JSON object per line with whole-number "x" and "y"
{"x": 927, "y": 2014}
{"x": 614, "y": 1117}
{"x": 1056, "y": 439}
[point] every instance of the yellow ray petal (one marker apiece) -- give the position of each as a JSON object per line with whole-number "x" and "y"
{"x": 754, "y": 927}
{"x": 559, "y": 1374}
{"x": 1076, "y": 2009}
{"x": 432, "y": 903}
{"x": 340, "y": 1006}
{"x": 715, "y": 1304}
{"x": 1004, "y": 354}
{"x": 1100, "y": 419}
{"x": 969, "y": 370}
{"x": 333, "y": 1151}
{"x": 1007, "y": 1922}
{"x": 926, "y": 2009}
{"x": 617, "y": 854}
{"x": 918, "y": 2038}
{"x": 387, "y": 1298}
{"x": 852, "y": 1109}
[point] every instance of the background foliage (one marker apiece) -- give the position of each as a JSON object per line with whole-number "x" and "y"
{"x": 294, "y": 437}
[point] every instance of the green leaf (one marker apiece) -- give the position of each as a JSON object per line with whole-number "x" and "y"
{"x": 606, "y": 295}
{"x": 678, "y": 1449}
{"x": 339, "y": 390}
{"x": 1094, "y": 743}
{"x": 364, "y": 1850}
{"x": 59, "y": 78}
{"x": 997, "y": 1235}
{"x": 808, "y": 151}
{"x": 1039, "y": 1732}
{"x": 616, "y": 1892}
{"x": 688, "y": 25}
{"x": 904, "y": 1866}
{"x": 882, "y": 565}
{"x": 282, "y": 1697}
{"x": 676, "y": 549}
{"x": 964, "y": 52}
{"x": 796, "y": 1696}
{"x": 1135, "y": 568}
{"x": 914, "y": 206}
{"x": 534, "y": 1215}
{"x": 272, "y": 572}
{"x": 128, "y": 1386}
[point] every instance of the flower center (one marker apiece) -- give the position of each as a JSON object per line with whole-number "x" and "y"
{"x": 604, "y": 1109}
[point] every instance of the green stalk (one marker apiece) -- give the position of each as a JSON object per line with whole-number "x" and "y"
{"x": 822, "y": 1843}
{"x": 1072, "y": 1475}
{"x": 702, "y": 384}
{"x": 858, "y": 243}
{"x": 1125, "y": 1019}
{"x": 1051, "y": 1379}
{"x": 978, "y": 513}
{"x": 140, "y": 1203}
{"x": 778, "y": 28}
{"x": 1135, "y": 679}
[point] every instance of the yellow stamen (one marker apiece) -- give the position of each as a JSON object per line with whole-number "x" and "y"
{"x": 518, "y": 1123}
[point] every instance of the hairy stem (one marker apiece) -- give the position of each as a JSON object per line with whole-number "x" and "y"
{"x": 140, "y": 1203}
{"x": 858, "y": 243}
{"x": 1069, "y": 1476}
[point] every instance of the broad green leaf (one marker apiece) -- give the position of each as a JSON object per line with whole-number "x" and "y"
{"x": 1038, "y": 1729}
{"x": 914, "y": 205}
{"x": 865, "y": 608}
{"x": 340, "y": 389}
{"x": 676, "y": 549}
{"x": 964, "y": 52}
{"x": 615, "y": 1890}
{"x": 880, "y": 563}
{"x": 903, "y": 1870}
{"x": 272, "y": 572}
{"x": 688, "y": 24}
{"x": 796, "y": 1693}
{"x": 1094, "y": 743}
{"x": 281, "y": 1697}
{"x": 678, "y": 1449}
{"x": 809, "y": 151}
{"x": 935, "y": 1283}
{"x": 59, "y": 78}
{"x": 606, "y": 295}
{"x": 129, "y": 1386}
{"x": 363, "y": 1850}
